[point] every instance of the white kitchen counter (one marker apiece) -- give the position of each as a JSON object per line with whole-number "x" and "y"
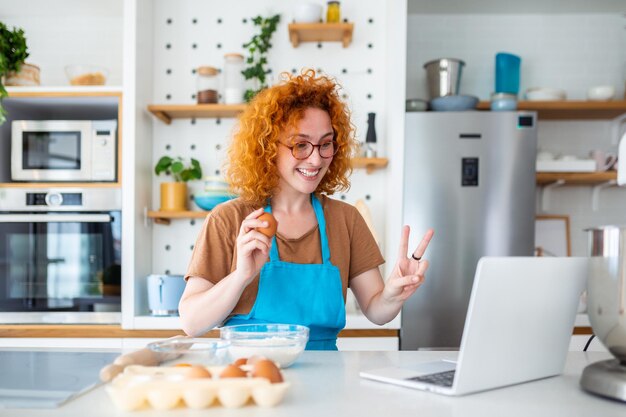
{"x": 327, "y": 384}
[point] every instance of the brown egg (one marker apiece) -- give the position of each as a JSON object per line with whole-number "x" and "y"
{"x": 270, "y": 230}
{"x": 232, "y": 371}
{"x": 268, "y": 370}
{"x": 240, "y": 361}
{"x": 197, "y": 371}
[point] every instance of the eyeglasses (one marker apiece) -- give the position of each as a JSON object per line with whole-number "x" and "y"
{"x": 304, "y": 149}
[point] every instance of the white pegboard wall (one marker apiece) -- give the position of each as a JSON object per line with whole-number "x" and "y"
{"x": 193, "y": 33}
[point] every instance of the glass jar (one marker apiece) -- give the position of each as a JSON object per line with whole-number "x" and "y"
{"x": 233, "y": 79}
{"x": 333, "y": 13}
{"x": 503, "y": 102}
{"x": 207, "y": 85}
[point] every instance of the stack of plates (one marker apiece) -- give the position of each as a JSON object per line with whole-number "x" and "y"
{"x": 454, "y": 103}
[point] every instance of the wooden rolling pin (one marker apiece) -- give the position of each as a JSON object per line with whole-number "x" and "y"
{"x": 145, "y": 357}
{"x": 365, "y": 213}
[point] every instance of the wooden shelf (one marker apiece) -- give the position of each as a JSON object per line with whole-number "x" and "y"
{"x": 570, "y": 110}
{"x": 167, "y": 112}
{"x": 370, "y": 164}
{"x": 164, "y": 217}
{"x": 321, "y": 32}
{"x": 578, "y": 178}
{"x": 64, "y": 91}
{"x": 116, "y": 331}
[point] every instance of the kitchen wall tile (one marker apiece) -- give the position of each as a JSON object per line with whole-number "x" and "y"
{"x": 69, "y": 33}
{"x": 569, "y": 51}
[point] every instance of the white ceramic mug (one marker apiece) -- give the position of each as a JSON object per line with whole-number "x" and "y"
{"x": 604, "y": 160}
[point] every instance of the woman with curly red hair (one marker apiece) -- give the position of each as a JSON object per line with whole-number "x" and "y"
{"x": 291, "y": 150}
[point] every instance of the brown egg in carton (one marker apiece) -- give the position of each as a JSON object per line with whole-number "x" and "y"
{"x": 197, "y": 386}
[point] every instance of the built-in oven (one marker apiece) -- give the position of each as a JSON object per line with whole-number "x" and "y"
{"x": 60, "y": 255}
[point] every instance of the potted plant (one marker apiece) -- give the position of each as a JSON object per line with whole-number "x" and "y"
{"x": 174, "y": 194}
{"x": 13, "y": 53}
{"x": 258, "y": 47}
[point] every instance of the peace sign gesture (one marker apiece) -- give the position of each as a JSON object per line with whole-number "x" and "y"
{"x": 408, "y": 273}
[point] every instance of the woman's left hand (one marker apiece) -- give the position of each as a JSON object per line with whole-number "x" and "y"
{"x": 408, "y": 273}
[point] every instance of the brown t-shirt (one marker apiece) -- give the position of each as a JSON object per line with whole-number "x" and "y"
{"x": 352, "y": 247}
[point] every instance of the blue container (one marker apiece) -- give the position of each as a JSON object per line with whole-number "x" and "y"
{"x": 208, "y": 201}
{"x": 507, "y": 73}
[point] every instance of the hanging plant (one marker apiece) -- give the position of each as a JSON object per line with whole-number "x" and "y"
{"x": 13, "y": 53}
{"x": 258, "y": 48}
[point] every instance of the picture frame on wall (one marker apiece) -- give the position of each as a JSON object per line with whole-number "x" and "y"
{"x": 552, "y": 235}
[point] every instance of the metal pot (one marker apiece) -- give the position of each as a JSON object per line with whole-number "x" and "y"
{"x": 606, "y": 288}
{"x": 444, "y": 77}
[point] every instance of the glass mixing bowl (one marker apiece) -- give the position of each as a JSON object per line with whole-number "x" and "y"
{"x": 191, "y": 351}
{"x": 282, "y": 343}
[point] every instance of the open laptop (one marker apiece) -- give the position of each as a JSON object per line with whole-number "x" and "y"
{"x": 518, "y": 327}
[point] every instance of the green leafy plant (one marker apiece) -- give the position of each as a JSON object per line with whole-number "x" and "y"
{"x": 179, "y": 169}
{"x": 258, "y": 47}
{"x": 13, "y": 53}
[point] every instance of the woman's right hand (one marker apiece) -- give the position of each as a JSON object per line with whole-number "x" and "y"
{"x": 253, "y": 247}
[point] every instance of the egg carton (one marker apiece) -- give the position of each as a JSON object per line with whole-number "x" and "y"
{"x": 165, "y": 388}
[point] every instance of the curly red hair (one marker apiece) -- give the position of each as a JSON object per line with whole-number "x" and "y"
{"x": 251, "y": 167}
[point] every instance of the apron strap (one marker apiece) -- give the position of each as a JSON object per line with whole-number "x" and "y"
{"x": 321, "y": 223}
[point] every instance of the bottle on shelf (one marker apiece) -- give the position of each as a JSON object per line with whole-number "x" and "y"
{"x": 233, "y": 79}
{"x": 370, "y": 138}
{"x": 206, "y": 84}
{"x": 333, "y": 12}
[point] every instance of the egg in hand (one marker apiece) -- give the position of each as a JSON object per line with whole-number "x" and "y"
{"x": 270, "y": 230}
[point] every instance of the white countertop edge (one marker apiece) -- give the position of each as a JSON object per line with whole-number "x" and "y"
{"x": 353, "y": 321}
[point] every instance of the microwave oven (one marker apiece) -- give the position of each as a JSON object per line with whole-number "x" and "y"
{"x": 64, "y": 150}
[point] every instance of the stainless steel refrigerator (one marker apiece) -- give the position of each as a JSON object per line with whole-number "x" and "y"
{"x": 471, "y": 177}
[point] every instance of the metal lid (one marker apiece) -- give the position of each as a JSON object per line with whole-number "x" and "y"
{"x": 604, "y": 227}
{"x": 207, "y": 71}
{"x": 439, "y": 60}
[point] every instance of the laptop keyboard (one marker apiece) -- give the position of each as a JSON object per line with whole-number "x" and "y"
{"x": 443, "y": 379}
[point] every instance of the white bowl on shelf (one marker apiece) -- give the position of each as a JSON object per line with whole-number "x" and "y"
{"x": 601, "y": 93}
{"x": 307, "y": 13}
{"x": 86, "y": 74}
{"x": 545, "y": 94}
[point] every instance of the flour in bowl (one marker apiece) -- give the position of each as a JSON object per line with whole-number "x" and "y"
{"x": 281, "y": 350}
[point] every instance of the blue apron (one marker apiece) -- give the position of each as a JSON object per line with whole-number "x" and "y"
{"x": 305, "y": 294}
